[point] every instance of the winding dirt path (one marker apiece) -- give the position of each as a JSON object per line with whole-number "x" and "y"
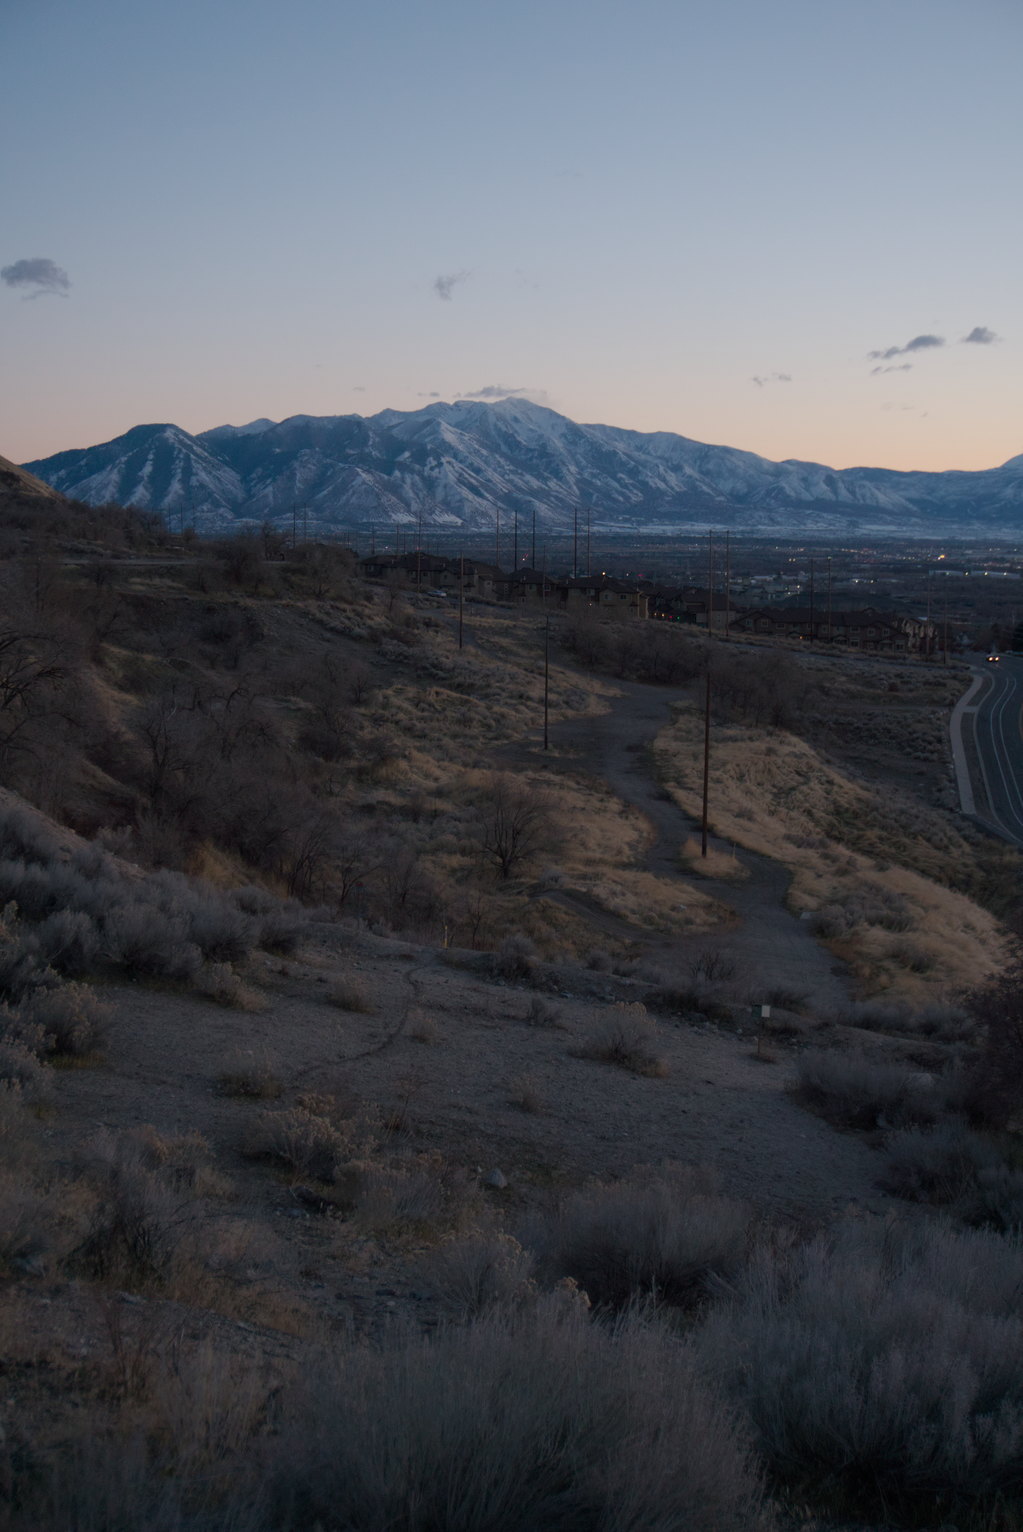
{"x": 772, "y": 947}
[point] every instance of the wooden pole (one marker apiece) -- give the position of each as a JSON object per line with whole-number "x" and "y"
{"x": 728, "y": 581}
{"x": 706, "y": 761}
{"x": 546, "y": 676}
{"x": 831, "y": 639}
{"x": 710, "y": 582}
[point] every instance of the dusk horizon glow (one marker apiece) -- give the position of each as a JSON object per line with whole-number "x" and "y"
{"x": 789, "y": 230}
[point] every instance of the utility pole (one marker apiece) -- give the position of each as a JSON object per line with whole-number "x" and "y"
{"x": 575, "y": 542}
{"x": 532, "y": 552}
{"x": 830, "y": 630}
{"x": 706, "y": 761}
{"x": 497, "y": 536}
{"x": 305, "y": 523}
{"x": 710, "y": 585}
{"x": 728, "y": 582}
{"x": 546, "y": 676}
{"x": 515, "y": 543}
{"x": 294, "y": 526}
{"x": 811, "y": 600}
{"x": 944, "y": 635}
{"x": 589, "y": 567}
{"x": 461, "y": 594}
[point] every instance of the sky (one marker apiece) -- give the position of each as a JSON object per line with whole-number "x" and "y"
{"x": 790, "y": 226}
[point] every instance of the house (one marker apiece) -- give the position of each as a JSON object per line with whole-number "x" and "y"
{"x": 866, "y": 629}
{"x": 613, "y": 598}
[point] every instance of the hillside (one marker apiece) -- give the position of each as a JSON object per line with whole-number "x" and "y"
{"x": 347, "y": 1027}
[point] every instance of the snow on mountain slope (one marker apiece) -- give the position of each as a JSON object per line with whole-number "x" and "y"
{"x": 466, "y": 462}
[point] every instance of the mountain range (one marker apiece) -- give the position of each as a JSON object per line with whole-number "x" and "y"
{"x": 463, "y": 464}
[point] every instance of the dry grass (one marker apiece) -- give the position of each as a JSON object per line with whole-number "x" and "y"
{"x": 716, "y": 864}
{"x": 775, "y": 794}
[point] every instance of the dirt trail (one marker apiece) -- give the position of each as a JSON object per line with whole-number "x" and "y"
{"x": 773, "y": 947}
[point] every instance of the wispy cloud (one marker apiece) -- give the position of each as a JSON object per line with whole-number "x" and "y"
{"x": 772, "y": 377}
{"x": 918, "y": 343}
{"x": 444, "y": 286}
{"x": 895, "y": 367}
{"x": 41, "y": 276}
{"x": 500, "y": 391}
{"x": 980, "y": 335}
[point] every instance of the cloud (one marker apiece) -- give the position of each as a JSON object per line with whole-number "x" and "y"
{"x": 499, "y": 391}
{"x": 357, "y": 388}
{"x": 444, "y": 286}
{"x": 772, "y": 377}
{"x": 40, "y": 274}
{"x": 895, "y": 367}
{"x": 918, "y": 343}
{"x": 980, "y": 335}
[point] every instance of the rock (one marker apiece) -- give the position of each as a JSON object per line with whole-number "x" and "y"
{"x": 497, "y": 1179}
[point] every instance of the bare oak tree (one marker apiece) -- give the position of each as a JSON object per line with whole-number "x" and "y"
{"x": 514, "y": 822}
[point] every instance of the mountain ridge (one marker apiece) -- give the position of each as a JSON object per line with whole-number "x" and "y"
{"x": 464, "y": 463}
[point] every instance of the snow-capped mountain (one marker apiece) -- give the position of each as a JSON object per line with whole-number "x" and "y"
{"x": 463, "y": 464}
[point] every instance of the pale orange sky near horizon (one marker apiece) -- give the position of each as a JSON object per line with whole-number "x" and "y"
{"x": 689, "y": 218}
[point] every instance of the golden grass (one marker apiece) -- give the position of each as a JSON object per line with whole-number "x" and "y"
{"x": 716, "y": 864}
{"x": 775, "y": 794}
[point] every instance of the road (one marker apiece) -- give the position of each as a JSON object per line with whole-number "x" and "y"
{"x": 987, "y": 745}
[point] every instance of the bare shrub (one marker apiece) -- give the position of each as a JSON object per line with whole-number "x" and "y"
{"x": 627, "y": 1038}
{"x": 251, "y": 1073}
{"x": 786, "y": 999}
{"x": 138, "y": 1221}
{"x": 145, "y": 940}
{"x": 474, "y": 1272}
{"x": 69, "y": 942}
{"x": 22, "y": 969}
{"x": 693, "y": 999}
{"x": 996, "y": 1010}
{"x": 711, "y": 966}
{"x": 997, "y": 1200}
{"x": 853, "y": 1091}
{"x": 942, "y": 1022}
{"x": 21, "y": 1070}
{"x": 349, "y": 995}
{"x": 540, "y": 1013}
{"x": 219, "y": 982}
{"x": 515, "y": 959}
{"x": 306, "y": 1141}
{"x": 887, "y": 1362}
{"x": 424, "y": 1193}
{"x": 72, "y": 1020}
{"x": 938, "y": 1165}
{"x": 516, "y": 1422}
{"x": 525, "y": 1093}
{"x": 670, "y": 1236}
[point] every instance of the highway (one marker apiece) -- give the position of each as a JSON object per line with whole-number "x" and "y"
{"x": 987, "y": 746}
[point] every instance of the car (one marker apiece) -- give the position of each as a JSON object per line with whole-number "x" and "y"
{"x": 993, "y": 657}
